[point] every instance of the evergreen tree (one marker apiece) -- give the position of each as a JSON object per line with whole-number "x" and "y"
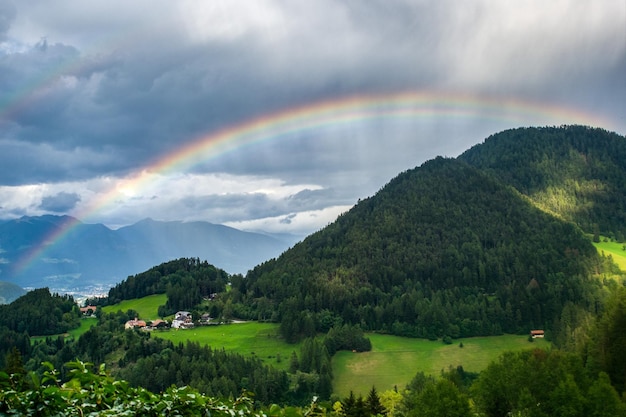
{"x": 373, "y": 403}
{"x": 609, "y": 343}
{"x": 603, "y": 400}
{"x": 441, "y": 399}
{"x": 294, "y": 364}
{"x": 348, "y": 405}
{"x": 360, "y": 408}
{"x": 13, "y": 363}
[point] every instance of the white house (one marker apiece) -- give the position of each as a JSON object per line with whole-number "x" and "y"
{"x": 182, "y": 320}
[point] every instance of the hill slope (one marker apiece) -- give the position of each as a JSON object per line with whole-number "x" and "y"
{"x": 441, "y": 249}
{"x": 577, "y": 172}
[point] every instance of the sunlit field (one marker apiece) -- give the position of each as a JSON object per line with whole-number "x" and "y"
{"x": 146, "y": 307}
{"x": 258, "y": 339}
{"x": 394, "y": 360}
{"x": 616, "y": 250}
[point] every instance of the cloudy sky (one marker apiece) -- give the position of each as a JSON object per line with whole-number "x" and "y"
{"x": 314, "y": 104}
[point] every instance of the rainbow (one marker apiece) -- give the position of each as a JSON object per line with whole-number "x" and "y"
{"x": 334, "y": 113}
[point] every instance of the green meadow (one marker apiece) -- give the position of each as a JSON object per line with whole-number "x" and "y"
{"x": 394, "y": 361}
{"x": 147, "y": 307}
{"x": 615, "y": 249}
{"x": 86, "y": 323}
{"x": 250, "y": 338}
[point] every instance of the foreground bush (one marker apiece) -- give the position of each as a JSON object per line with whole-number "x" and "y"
{"x": 89, "y": 393}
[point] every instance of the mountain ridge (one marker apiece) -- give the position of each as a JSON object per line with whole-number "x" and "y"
{"x": 442, "y": 249}
{"x": 93, "y": 257}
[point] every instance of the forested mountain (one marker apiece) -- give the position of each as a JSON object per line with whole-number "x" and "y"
{"x": 185, "y": 281}
{"x": 91, "y": 257}
{"x": 576, "y": 172}
{"x": 443, "y": 249}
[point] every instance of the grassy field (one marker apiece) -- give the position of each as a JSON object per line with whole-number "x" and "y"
{"x": 146, "y": 307}
{"x": 251, "y": 338}
{"x": 394, "y": 360}
{"x": 616, "y": 250}
{"x": 85, "y": 324}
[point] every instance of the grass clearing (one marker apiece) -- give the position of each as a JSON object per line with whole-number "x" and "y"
{"x": 86, "y": 323}
{"x": 147, "y": 307}
{"x": 395, "y": 360}
{"x": 615, "y": 249}
{"x": 251, "y": 338}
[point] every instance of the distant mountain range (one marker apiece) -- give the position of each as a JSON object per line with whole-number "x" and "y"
{"x": 10, "y": 292}
{"x": 91, "y": 257}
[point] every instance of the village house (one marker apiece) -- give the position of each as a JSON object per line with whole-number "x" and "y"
{"x": 158, "y": 323}
{"x": 133, "y": 324}
{"x": 537, "y": 333}
{"x": 88, "y": 310}
{"x": 182, "y": 320}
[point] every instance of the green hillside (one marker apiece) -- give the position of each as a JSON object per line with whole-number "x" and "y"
{"x": 443, "y": 249}
{"x": 576, "y": 172}
{"x": 146, "y": 307}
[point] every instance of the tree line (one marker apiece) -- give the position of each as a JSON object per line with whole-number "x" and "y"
{"x": 530, "y": 383}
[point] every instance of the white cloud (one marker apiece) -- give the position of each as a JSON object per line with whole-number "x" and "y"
{"x": 231, "y": 20}
{"x": 58, "y": 261}
{"x": 301, "y": 223}
{"x": 116, "y": 202}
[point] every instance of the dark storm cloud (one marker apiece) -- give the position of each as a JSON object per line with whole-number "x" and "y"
{"x": 114, "y": 92}
{"x": 59, "y": 203}
{"x": 40, "y": 163}
{"x": 7, "y": 14}
{"x": 287, "y": 219}
{"x": 315, "y": 199}
{"x": 232, "y": 207}
{"x": 161, "y": 91}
